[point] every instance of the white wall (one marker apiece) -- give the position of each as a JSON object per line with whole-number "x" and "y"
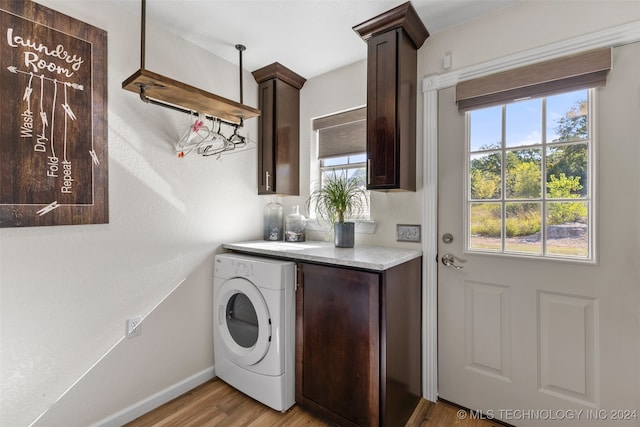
{"x": 521, "y": 27}
{"x": 173, "y": 355}
{"x": 67, "y": 291}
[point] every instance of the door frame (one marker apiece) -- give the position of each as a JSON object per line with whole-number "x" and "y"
{"x": 612, "y": 37}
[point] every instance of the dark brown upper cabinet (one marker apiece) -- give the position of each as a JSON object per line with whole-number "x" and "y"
{"x": 278, "y": 130}
{"x": 393, "y": 39}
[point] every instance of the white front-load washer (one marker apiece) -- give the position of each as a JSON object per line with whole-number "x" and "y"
{"x": 254, "y": 327}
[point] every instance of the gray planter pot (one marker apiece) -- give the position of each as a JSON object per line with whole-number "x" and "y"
{"x": 343, "y": 234}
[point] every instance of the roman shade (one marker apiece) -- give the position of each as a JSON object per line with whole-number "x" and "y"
{"x": 580, "y": 71}
{"x": 342, "y": 134}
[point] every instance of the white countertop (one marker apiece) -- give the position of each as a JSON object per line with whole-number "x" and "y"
{"x": 366, "y": 257}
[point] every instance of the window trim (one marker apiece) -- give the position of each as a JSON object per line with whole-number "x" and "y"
{"x": 591, "y": 199}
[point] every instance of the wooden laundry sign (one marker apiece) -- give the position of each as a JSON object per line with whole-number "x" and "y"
{"x": 53, "y": 118}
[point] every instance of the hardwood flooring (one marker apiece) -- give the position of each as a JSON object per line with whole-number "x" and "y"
{"x": 215, "y": 403}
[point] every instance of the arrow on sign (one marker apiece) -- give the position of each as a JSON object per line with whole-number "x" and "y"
{"x": 15, "y": 70}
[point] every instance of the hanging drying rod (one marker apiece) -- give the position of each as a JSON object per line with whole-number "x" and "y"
{"x": 159, "y": 90}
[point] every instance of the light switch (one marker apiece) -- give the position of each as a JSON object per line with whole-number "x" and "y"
{"x": 408, "y": 233}
{"x": 446, "y": 61}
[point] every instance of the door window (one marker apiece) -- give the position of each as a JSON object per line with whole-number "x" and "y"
{"x": 242, "y": 320}
{"x": 529, "y": 177}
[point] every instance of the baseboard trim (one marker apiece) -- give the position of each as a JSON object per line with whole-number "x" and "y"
{"x": 140, "y": 408}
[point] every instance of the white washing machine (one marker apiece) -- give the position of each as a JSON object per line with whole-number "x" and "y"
{"x": 254, "y": 327}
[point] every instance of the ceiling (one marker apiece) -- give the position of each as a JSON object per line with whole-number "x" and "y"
{"x": 310, "y": 37}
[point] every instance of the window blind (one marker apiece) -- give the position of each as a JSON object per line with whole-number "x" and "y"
{"x": 580, "y": 71}
{"x": 342, "y": 134}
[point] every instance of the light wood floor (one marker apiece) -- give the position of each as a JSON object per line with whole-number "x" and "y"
{"x": 215, "y": 403}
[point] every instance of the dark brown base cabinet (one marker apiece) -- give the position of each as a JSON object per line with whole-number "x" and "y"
{"x": 358, "y": 349}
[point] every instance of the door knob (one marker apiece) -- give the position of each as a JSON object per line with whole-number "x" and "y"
{"x": 449, "y": 261}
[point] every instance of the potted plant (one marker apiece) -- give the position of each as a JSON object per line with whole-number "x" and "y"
{"x": 339, "y": 197}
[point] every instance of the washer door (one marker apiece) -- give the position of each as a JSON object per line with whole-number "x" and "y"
{"x": 243, "y": 321}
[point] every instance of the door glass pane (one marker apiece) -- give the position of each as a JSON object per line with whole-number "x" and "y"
{"x": 567, "y": 115}
{"x": 523, "y": 228}
{"x": 567, "y": 166}
{"x": 486, "y": 226}
{"x": 242, "y": 320}
{"x": 523, "y": 124}
{"x": 486, "y": 176}
{"x": 567, "y": 228}
{"x": 524, "y": 174}
{"x": 533, "y": 184}
{"x": 485, "y": 129}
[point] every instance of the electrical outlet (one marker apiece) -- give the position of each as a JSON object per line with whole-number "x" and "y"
{"x": 134, "y": 326}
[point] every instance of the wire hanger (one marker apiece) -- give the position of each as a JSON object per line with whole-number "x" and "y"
{"x": 155, "y": 89}
{"x": 208, "y": 141}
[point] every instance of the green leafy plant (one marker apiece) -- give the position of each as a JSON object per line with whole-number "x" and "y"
{"x": 567, "y": 188}
{"x": 339, "y": 197}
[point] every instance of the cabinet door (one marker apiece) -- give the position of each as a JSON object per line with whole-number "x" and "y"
{"x": 287, "y": 139}
{"x": 391, "y": 112}
{"x": 266, "y": 136}
{"x": 337, "y": 332}
{"x": 278, "y": 136}
{"x": 381, "y": 111}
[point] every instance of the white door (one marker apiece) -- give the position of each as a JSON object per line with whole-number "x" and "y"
{"x": 544, "y": 342}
